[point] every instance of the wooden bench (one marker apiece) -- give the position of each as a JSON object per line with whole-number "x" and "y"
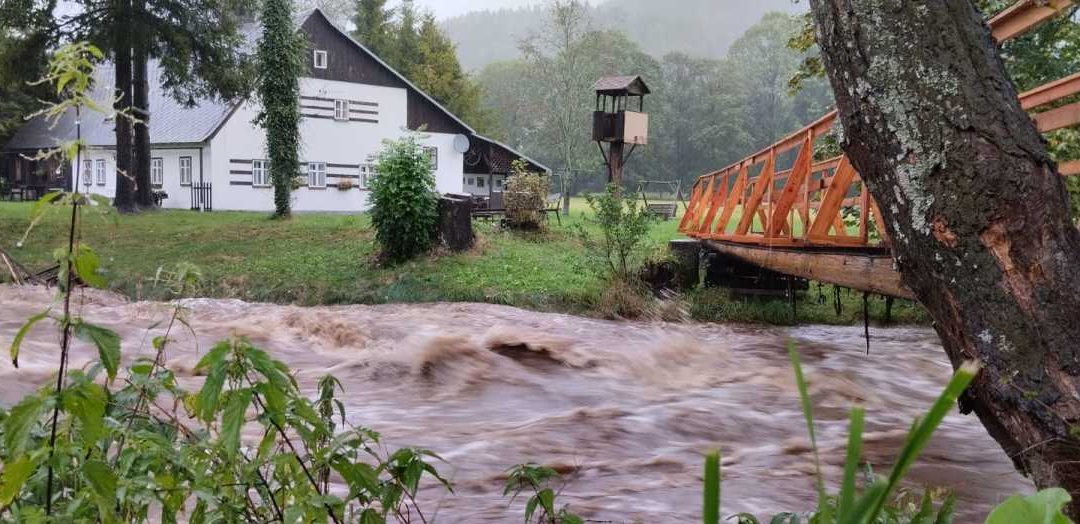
{"x": 665, "y": 211}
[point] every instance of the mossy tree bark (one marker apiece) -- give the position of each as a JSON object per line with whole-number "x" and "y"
{"x": 976, "y": 210}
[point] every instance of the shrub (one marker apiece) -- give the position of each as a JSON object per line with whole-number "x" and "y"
{"x": 624, "y": 227}
{"x": 405, "y": 207}
{"x": 526, "y": 194}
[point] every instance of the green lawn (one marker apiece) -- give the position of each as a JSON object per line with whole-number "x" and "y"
{"x": 329, "y": 259}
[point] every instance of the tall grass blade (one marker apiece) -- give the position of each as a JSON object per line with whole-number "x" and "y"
{"x": 712, "y": 488}
{"x": 851, "y": 464}
{"x": 808, "y": 413}
{"x": 922, "y": 431}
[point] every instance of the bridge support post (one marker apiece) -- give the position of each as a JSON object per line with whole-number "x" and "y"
{"x": 687, "y": 256}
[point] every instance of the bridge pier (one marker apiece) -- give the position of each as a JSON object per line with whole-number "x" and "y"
{"x": 686, "y": 253}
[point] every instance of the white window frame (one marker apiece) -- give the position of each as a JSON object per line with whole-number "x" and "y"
{"x": 472, "y": 181}
{"x": 498, "y": 183}
{"x": 432, "y": 153}
{"x": 87, "y": 172}
{"x": 480, "y": 181}
{"x": 157, "y": 171}
{"x": 367, "y": 172}
{"x": 260, "y": 173}
{"x": 99, "y": 171}
{"x": 185, "y": 171}
{"x": 316, "y": 172}
{"x": 320, "y": 59}
{"x": 341, "y": 110}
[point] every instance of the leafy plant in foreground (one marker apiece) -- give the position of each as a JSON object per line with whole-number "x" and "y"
{"x": 537, "y": 480}
{"x": 875, "y": 503}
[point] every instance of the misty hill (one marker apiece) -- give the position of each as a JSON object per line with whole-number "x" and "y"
{"x": 703, "y": 28}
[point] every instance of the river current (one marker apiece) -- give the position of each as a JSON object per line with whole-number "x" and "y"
{"x": 624, "y": 409}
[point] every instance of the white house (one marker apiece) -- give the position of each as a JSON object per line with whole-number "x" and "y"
{"x": 212, "y": 155}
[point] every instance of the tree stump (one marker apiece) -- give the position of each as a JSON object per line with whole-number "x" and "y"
{"x": 455, "y": 222}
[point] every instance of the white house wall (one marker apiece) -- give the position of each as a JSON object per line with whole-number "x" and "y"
{"x": 179, "y": 197}
{"x": 343, "y": 146}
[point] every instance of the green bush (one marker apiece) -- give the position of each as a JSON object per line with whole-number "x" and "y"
{"x": 624, "y": 229}
{"x": 405, "y": 207}
{"x": 526, "y": 194}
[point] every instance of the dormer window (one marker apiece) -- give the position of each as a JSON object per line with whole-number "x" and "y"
{"x": 341, "y": 110}
{"x": 320, "y": 59}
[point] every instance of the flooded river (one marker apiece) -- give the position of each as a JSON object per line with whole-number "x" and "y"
{"x": 625, "y": 409}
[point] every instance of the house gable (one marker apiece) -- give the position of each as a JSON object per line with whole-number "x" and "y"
{"x": 348, "y": 61}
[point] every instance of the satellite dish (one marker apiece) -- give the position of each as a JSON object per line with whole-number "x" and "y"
{"x": 461, "y": 143}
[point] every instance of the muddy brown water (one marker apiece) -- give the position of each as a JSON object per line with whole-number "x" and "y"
{"x": 626, "y": 409}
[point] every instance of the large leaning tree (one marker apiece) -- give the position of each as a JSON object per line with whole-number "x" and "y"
{"x": 976, "y": 210}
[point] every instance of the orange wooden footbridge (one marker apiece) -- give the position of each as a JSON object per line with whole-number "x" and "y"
{"x": 781, "y": 210}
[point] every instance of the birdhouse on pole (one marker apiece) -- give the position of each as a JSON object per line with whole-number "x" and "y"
{"x": 620, "y": 119}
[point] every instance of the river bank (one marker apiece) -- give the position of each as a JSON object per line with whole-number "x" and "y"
{"x": 328, "y": 259}
{"x": 626, "y": 409}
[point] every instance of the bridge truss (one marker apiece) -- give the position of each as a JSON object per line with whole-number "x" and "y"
{"x": 782, "y": 210}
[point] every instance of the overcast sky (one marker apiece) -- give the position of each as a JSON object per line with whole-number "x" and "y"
{"x": 448, "y": 8}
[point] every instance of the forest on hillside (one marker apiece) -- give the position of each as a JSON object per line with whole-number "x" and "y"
{"x": 704, "y": 112}
{"x": 699, "y": 28}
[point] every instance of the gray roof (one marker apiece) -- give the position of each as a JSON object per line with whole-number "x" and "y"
{"x": 631, "y": 84}
{"x": 170, "y": 121}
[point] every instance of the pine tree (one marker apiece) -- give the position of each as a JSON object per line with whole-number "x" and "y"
{"x": 373, "y": 26}
{"x": 280, "y": 59}
{"x": 406, "y": 52}
{"x": 438, "y": 72}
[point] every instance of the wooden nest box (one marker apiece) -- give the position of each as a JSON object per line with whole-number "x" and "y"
{"x": 615, "y": 119}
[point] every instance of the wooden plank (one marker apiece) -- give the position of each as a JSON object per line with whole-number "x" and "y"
{"x": 717, "y": 195}
{"x": 795, "y": 184}
{"x": 880, "y": 222}
{"x": 834, "y": 198}
{"x": 704, "y": 200}
{"x": 871, "y": 273}
{"x": 732, "y": 200}
{"x": 691, "y": 209}
{"x": 864, "y": 214}
{"x": 1070, "y": 168}
{"x": 1025, "y": 16}
{"x": 761, "y": 185}
{"x": 1058, "y": 118}
{"x": 1051, "y": 92}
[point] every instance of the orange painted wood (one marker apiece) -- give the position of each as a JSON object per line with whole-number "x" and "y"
{"x": 1050, "y": 92}
{"x": 1058, "y": 118}
{"x": 864, "y": 215}
{"x": 704, "y": 202}
{"x": 795, "y": 183}
{"x": 691, "y": 210}
{"x": 708, "y": 202}
{"x": 733, "y": 199}
{"x": 834, "y": 198}
{"x": 761, "y": 185}
{"x": 1069, "y": 168}
{"x": 719, "y": 196}
{"x": 1024, "y": 16}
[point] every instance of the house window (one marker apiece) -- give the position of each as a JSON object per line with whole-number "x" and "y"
{"x": 341, "y": 110}
{"x": 433, "y": 157}
{"x": 367, "y": 172}
{"x": 498, "y": 183}
{"x": 260, "y": 176}
{"x": 316, "y": 174}
{"x": 471, "y": 181}
{"x": 320, "y": 59}
{"x": 479, "y": 182}
{"x": 157, "y": 172}
{"x": 99, "y": 172}
{"x": 185, "y": 171}
{"x": 87, "y": 172}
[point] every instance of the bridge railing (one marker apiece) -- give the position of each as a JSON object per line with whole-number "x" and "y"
{"x": 782, "y": 196}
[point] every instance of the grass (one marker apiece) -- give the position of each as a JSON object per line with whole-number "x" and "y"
{"x": 315, "y": 259}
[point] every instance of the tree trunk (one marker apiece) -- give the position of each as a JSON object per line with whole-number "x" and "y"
{"x": 143, "y": 190}
{"x": 125, "y": 184}
{"x": 976, "y": 210}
